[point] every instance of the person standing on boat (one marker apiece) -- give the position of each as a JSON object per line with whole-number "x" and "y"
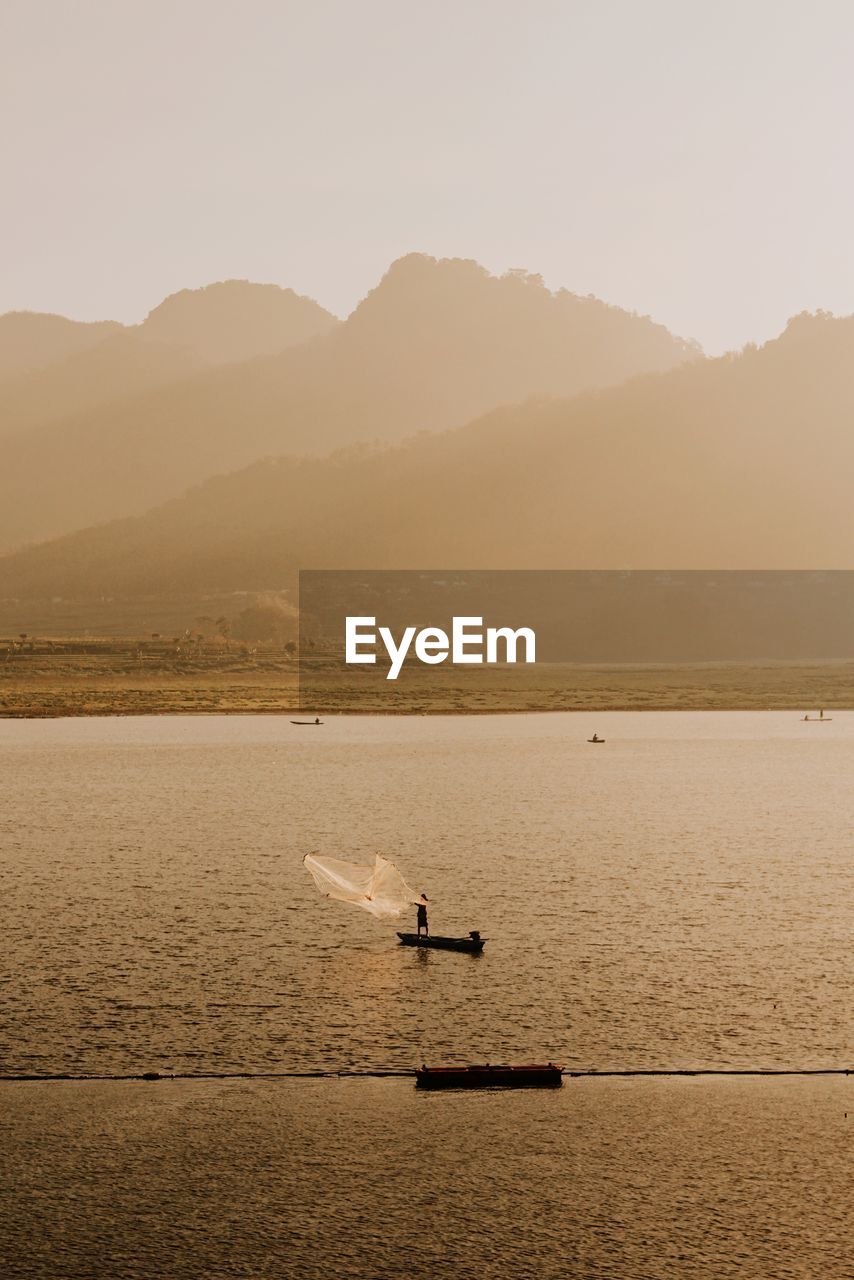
{"x": 421, "y": 922}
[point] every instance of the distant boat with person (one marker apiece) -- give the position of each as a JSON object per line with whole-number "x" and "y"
{"x": 821, "y": 718}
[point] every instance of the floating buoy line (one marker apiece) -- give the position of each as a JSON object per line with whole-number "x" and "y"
{"x": 403, "y": 1074}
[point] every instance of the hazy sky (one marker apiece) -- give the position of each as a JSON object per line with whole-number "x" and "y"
{"x": 688, "y": 160}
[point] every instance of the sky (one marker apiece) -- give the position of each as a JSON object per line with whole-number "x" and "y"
{"x": 690, "y": 161}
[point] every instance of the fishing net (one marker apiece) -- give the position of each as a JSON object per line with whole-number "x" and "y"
{"x": 380, "y": 889}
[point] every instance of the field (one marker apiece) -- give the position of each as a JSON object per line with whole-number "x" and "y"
{"x": 141, "y": 677}
{"x": 133, "y": 676}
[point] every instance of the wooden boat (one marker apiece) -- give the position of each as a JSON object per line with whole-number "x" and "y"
{"x": 539, "y": 1076}
{"x": 821, "y": 718}
{"x": 595, "y": 739}
{"x": 313, "y": 723}
{"x": 473, "y": 943}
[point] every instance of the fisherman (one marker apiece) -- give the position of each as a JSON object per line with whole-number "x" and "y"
{"x": 422, "y": 916}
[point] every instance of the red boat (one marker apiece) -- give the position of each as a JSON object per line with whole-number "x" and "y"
{"x": 538, "y": 1076}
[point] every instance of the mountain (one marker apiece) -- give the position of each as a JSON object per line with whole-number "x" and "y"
{"x": 435, "y": 344}
{"x": 739, "y": 462}
{"x": 220, "y": 324}
{"x": 122, "y": 364}
{"x": 30, "y": 340}
{"x": 236, "y": 320}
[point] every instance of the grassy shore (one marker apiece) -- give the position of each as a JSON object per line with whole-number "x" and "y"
{"x": 74, "y": 677}
{"x": 146, "y": 677}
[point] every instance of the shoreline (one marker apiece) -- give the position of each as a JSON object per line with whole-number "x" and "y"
{"x": 56, "y": 685}
{"x": 338, "y": 713}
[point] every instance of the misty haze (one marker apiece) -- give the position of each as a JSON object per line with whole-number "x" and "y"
{"x": 527, "y": 328}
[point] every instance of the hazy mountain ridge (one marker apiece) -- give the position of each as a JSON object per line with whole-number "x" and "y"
{"x": 435, "y": 344}
{"x": 58, "y": 368}
{"x": 31, "y": 340}
{"x": 738, "y": 462}
{"x": 118, "y": 366}
{"x": 235, "y": 321}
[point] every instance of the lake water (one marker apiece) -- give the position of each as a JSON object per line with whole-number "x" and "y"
{"x": 724, "y": 1179}
{"x": 679, "y": 897}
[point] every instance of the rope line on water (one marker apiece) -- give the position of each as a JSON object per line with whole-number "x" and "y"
{"x": 381, "y": 1074}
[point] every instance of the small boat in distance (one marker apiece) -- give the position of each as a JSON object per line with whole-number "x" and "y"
{"x": 474, "y": 943}
{"x": 596, "y": 738}
{"x": 538, "y": 1076}
{"x": 308, "y": 722}
{"x": 821, "y": 718}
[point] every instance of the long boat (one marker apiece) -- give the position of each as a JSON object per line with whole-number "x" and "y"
{"x": 473, "y": 943}
{"x": 486, "y": 1076}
